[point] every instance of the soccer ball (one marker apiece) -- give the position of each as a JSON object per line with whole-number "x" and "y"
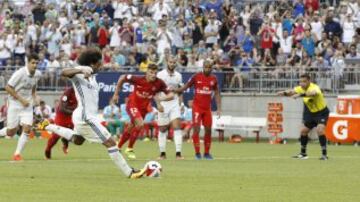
{"x": 153, "y": 169}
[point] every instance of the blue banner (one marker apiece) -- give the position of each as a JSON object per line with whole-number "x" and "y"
{"x": 107, "y": 83}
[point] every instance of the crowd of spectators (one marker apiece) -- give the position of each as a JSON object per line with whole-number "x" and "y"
{"x": 240, "y": 36}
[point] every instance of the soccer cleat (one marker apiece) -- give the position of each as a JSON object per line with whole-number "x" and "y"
{"x": 130, "y": 153}
{"x": 42, "y": 125}
{"x": 146, "y": 139}
{"x": 17, "y": 157}
{"x": 178, "y": 156}
{"x": 198, "y": 156}
{"x": 47, "y": 155}
{"x": 162, "y": 156}
{"x": 208, "y": 157}
{"x": 324, "y": 158}
{"x": 301, "y": 156}
{"x": 135, "y": 174}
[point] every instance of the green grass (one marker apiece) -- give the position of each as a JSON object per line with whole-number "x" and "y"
{"x": 240, "y": 172}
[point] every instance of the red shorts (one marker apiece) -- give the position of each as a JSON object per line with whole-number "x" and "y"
{"x": 135, "y": 113}
{"x": 64, "y": 121}
{"x": 200, "y": 116}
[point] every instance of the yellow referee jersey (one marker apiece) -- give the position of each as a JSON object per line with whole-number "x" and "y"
{"x": 315, "y": 103}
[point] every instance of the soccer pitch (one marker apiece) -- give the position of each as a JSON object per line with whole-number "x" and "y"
{"x": 240, "y": 172}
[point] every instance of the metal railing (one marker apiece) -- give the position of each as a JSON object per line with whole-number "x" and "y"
{"x": 258, "y": 80}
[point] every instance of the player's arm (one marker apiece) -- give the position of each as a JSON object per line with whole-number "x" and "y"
{"x": 11, "y": 91}
{"x": 218, "y": 101}
{"x": 184, "y": 87}
{"x": 119, "y": 84}
{"x": 71, "y": 72}
{"x": 35, "y": 97}
{"x": 287, "y": 93}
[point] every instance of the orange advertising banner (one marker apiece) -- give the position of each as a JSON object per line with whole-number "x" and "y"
{"x": 343, "y": 129}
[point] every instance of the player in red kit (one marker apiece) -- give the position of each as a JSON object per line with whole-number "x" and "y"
{"x": 63, "y": 114}
{"x": 205, "y": 85}
{"x": 145, "y": 89}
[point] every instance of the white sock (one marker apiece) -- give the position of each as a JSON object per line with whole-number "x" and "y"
{"x": 21, "y": 143}
{"x": 3, "y": 132}
{"x": 162, "y": 141}
{"x": 119, "y": 160}
{"x": 178, "y": 140}
{"x": 61, "y": 131}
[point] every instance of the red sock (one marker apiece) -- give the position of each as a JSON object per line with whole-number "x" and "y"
{"x": 52, "y": 141}
{"x": 207, "y": 143}
{"x": 124, "y": 137}
{"x": 196, "y": 140}
{"x": 133, "y": 137}
{"x": 171, "y": 134}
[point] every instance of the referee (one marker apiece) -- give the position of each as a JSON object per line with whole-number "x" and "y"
{"x": 315, "y": 113}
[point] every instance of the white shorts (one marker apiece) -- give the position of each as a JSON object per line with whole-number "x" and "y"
{"x": 19, "y": 116}
{"x": 169, "y": 114}
{"x": 92, "y": 130}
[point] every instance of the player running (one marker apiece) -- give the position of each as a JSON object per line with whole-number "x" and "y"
{"x": 22, "y": 96}
{"x": 205, "y": 85}
{"x": 145, "y": 89}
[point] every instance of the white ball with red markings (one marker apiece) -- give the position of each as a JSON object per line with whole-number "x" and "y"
{"x": 153, "y": 169}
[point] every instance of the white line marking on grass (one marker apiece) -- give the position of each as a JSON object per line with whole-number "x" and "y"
{"x": 187, "y": 159}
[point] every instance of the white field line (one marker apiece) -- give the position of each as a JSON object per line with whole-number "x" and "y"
{"x": 186, "y": 159}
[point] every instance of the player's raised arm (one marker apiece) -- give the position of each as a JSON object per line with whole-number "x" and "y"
{"x": 71, "y": 72}
{"x": 184, "y": 87}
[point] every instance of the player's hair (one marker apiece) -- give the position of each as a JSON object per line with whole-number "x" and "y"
{"x": 90, "y": 56}
{"x": 153, "y": 66}
{"x": 306, "y": 76}
{"x": 32, "y": 56}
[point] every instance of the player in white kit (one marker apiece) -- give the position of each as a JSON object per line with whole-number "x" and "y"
{"x": 85, "y": 116}
{"x": 172, "y": 112}
{"x": 22, "y": 95}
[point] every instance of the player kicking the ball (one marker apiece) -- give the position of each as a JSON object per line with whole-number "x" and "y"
{"x": 85, "y": 119}
{"x": 172, "y": 112}
{"x": 205, "y": 85}
{"x": 145, "y": 89}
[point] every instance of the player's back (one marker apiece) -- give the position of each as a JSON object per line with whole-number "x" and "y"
{"x": 87, "y": 96}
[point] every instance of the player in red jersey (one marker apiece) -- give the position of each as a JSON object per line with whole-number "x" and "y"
{"x": 145, "y": 89}
{"x": 205, "y": 85}
{"x": 63, "y": 114}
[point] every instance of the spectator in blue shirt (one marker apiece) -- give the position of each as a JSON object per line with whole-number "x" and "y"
{"x": 215, "y": 5}
{"x": 299, "y": 9}
{"x": 308, "y": 43}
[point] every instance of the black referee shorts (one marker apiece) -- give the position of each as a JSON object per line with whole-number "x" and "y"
{"x": 311, "y": 120}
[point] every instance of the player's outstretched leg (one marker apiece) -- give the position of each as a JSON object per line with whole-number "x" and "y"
{"x": 61, "y": 131}
{"x": 22, "y": 142}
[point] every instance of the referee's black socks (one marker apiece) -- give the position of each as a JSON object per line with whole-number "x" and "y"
{"x": 322, "y": 140}
{"x": 303, "y": 142}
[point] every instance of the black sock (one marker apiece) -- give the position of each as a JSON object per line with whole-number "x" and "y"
{"x": 162, "y": 154}
{"x": 178, "y": 153}
{"x": 322, "y": 140}
{"x": 303, "y": 141}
